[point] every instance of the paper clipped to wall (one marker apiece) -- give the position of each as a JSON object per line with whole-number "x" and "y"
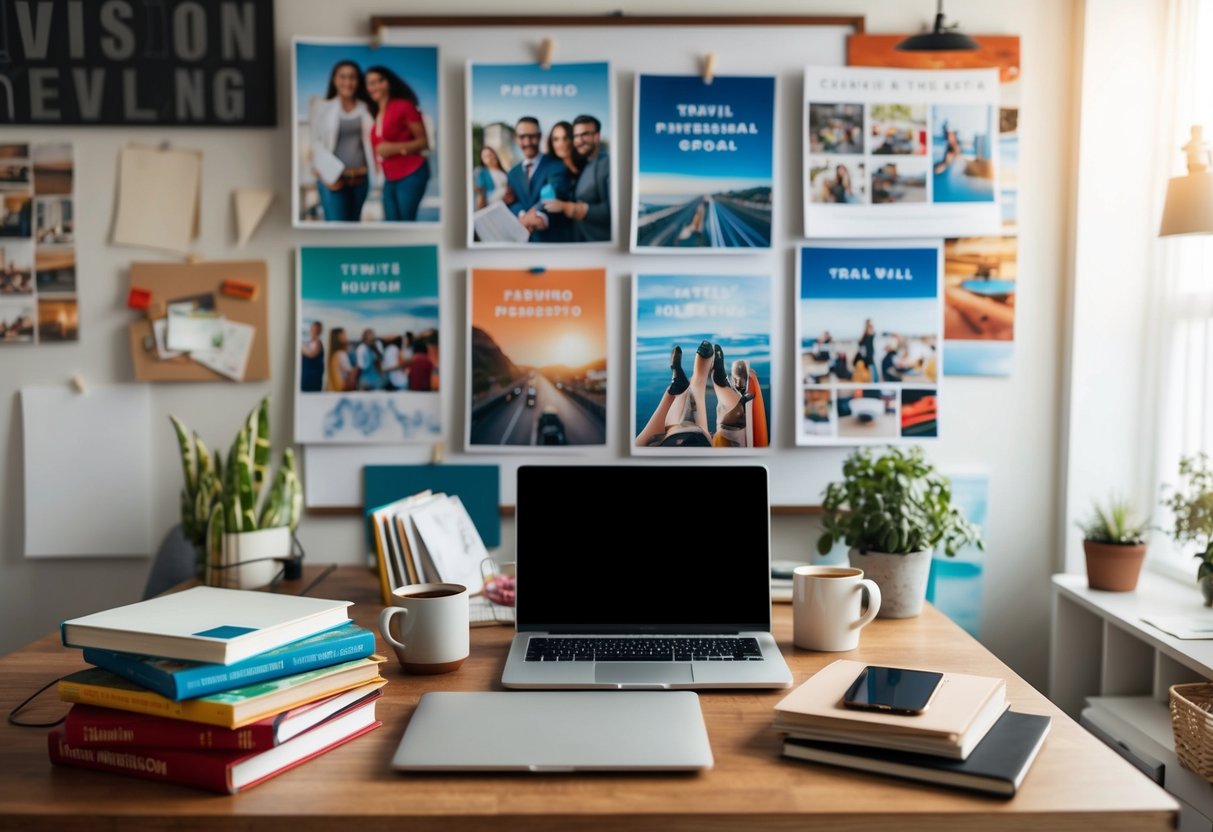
{"x": 251, "y": 206}
{"x": 159, "y": 190}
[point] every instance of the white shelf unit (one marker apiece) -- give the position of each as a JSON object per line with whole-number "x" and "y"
{"x": 1106, "y": 660}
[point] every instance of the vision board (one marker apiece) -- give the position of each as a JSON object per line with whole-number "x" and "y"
{"x": 742, "y": 46}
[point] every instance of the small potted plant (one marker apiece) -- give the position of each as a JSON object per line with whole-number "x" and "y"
{"x": 1115, "y": 545}
{"x": 239, "y": 528}
{"x": 893, "y": 511}
{"x": 1191, "y": 505}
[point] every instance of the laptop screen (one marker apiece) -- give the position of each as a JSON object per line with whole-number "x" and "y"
{"x": 643, "y": 549}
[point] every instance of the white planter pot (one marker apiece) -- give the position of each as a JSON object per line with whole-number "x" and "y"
{"x": 248, "y": 558}
{"x": 902, "y": 580}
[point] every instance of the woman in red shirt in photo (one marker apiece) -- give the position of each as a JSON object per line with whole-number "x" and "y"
{"x": 399, "y": 138}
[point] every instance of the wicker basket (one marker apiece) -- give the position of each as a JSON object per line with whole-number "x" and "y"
{"x": 1192, "y": 724}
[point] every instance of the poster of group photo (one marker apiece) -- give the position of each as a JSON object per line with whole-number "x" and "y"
{"x": 869, "y": 342}
{"x": 915, "y": 147}
{"x": 980, "y": 272}
{"x": 540, "y": 166}
{"x": 701, "y": 364}
{"x": 537, "y": 359}
{"x": 38, "y": 291}
{"x": 703, "y": 163}
{"x": 365, "y": 135}
{"x": 367, "y": 367}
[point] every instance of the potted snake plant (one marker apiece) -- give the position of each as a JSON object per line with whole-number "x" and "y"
{"x": 893, "y": 510}
{"x": 239, "y": 528}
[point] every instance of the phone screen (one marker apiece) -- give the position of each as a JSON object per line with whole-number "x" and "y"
{"x": 892, "y": 689}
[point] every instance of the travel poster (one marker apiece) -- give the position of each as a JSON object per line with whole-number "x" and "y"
{"x": 703, "y": 163}
{"x": 537, "y": 359}
{"x": 868, "y": 342}
{"x": 366, "y": 143}
{"x": 367, "y": 358}
{"x": 38, "y": 286}
{"x": 540, "y": 169}
{"x": 955, "y": 583}
{"x": 701, "y": 364}
{"x": 978, "y": 325}
{"x": 913, "y": 147}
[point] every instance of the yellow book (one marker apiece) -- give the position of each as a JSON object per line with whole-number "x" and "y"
{"x": 230, "y": 709}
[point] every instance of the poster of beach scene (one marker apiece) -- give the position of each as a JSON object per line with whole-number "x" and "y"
{"x": 869, "y": 342}
{"x": 701, "y": 364}
{"x": 537, "y": 359}
{"x": 915, "y": 147}
{"x": 980, "y": 341}
{"x": 367, "y": 357}
{"x": 955, "y": 583}
{"x": 703, "y": 163}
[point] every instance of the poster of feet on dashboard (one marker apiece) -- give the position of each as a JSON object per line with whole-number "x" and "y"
{"x": 701, "y": 364}
{"x": 869, "y": 327}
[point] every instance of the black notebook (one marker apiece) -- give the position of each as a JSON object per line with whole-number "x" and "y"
{"x": 997, "y": 765}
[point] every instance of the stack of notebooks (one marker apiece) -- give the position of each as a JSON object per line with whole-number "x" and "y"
{"x": 216, "y": 688}
{"x": 967, "y": 738}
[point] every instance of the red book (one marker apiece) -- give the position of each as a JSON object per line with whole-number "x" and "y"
{"x": 88, "y": 726}
{"x": 226, "y": 772}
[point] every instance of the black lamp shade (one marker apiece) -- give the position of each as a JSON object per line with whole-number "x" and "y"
{"x": 938, "y": 42}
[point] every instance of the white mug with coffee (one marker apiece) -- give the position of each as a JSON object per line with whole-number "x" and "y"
{"x": 827, "y": 607}
{"x": 431, "y": 626}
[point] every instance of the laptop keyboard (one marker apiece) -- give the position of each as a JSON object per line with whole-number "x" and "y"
{"x": 725, "y": 649}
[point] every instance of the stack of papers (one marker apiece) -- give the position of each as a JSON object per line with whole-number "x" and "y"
{"x": 192, "y": 327}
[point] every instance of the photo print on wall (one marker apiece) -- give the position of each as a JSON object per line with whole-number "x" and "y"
{"x": 868, "y": 342}
{"x": 701, "y": 364}
{"x": 541, "y": 147}
{"x": 537, "y": 359}
{"x": 898, "y": 145}
{"x": 365, "y": 133}
{"x": 367, "y": 366}
{"x": 703, "y": 162}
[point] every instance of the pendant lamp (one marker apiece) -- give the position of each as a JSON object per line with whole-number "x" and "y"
{"x": 944, "y": 38}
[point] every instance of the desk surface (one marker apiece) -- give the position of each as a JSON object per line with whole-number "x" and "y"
{"x": 1076, "y": 783}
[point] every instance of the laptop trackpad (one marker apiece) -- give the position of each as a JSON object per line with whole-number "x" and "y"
{"x": 623, "y": 673}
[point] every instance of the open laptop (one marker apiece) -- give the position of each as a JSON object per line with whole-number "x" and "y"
{"x": 643, "y": 577}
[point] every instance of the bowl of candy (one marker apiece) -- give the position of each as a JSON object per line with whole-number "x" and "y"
{"x": 499, "y": 586}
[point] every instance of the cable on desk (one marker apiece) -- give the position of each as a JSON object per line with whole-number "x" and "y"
{"x": 12, "y": 715}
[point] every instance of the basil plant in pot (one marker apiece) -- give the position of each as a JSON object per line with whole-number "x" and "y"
{"x": 1191, "y": 505}
{"x": 1114, "y": 543}
{"x": 240, "y": 530}
{"x": 893, "y": 510}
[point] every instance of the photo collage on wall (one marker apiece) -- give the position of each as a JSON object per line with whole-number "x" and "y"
{"x": 38, "y": 287}
{"x": 368, "y": 353}
{"x": 980, "y": 272}
{"x": 537, "y": 359}
{"x": 701, "y": 363}
{"x": 869, "y": 342}
{"x": 704, "y": 164}
{"x": 541, "y": 149}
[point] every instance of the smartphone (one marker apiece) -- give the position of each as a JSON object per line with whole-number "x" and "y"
{"x": 892, "y": 689}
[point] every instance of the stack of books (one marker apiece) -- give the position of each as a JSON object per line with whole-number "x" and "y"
{"x": 967, "y": 738}
{"x": 216, "y": 688}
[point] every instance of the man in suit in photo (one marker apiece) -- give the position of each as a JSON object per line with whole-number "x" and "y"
{"x": 526, "y": 179}
{"x": 590, "y": 208}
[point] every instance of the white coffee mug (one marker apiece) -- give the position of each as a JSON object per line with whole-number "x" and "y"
{"x": 432, "y": 627}
{"x": 826, "y": 604}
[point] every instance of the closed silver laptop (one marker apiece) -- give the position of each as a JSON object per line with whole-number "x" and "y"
{"x": 555, "y": 732}
{"x": 643, "y": 577}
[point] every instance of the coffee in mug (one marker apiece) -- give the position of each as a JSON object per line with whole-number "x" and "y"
{"x": 826, "y": 607}
{"x": 427, "y": 624}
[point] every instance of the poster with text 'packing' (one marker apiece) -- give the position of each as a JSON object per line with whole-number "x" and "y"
{"x": 918, "y": 148}
{"x": 367, "y": 366}
{"x": 869, "y": 337}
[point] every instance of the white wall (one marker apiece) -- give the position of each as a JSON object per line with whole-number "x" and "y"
{"x": 1008, "y": 427}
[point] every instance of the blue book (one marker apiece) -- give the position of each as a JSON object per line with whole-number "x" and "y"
{"x": 186, "y": 680}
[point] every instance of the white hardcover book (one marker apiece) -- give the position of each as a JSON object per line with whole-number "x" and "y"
{"x": 451, "y": 539}
{"x": 206, "y": 624}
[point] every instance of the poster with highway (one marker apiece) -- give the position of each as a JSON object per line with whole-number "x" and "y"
{"x": 701, "y": 364}
{"x": 703, "y": 163}
{"x": 918, "y": 148}
{"x": 537, "y": 359}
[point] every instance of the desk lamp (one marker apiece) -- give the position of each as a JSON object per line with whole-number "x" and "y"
{"x": 1189, "y": 205}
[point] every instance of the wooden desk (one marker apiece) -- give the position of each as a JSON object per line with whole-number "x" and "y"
{"x": 1076, "y": 783}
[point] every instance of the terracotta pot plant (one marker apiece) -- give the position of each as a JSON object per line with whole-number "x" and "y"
{"x": 893, "y": 511}
{"x": 1191, "y": 505}
{"x": 1115, "y": 545}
